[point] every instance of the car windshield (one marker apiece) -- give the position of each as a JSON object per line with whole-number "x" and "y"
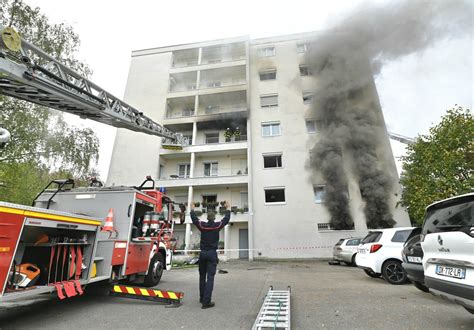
{"x": 339, "y": 242}
{"x": 372, "y": 237}
{"x": 454, "y": 216}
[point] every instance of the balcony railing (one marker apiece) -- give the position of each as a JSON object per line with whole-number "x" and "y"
{"x": 180, "y": 113}
{"x": 201, "y": 173}
{"x": 213, "y": 109}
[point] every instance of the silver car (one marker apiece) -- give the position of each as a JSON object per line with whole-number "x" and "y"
{"x": 345, "y": 250}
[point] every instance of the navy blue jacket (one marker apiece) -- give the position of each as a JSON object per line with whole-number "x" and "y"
{"x": 210, "y": 231}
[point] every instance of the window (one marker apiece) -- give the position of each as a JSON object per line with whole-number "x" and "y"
{"x": 210, "y": 169}
{"x": 272, "y": 161}
{"x": 268, "y": 74}
{"x": 301, "y": 48}
{"x": 353, "y": 242}
{"x": 401, "y": 236}
{"x": 267, "y": 101}
{"x": 304, "y": 70}
{"x": 266, "y": 51}
{"x": 308, "y": 97}
{"x": 372, "y": 237}
{"x": 326, "y": 226}
{"x": 184, "y": 170}
{"x": 212, "y": 138}
{"x": 319, "y": 194}
{"x": 311, "y": 126}
{"x": 271, "y": 129}
{"x": 274, "y": 195}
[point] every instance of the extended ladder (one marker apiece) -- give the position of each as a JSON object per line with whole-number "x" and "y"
{"x": 28, "y": 73}
{"x": 275, "y": 311}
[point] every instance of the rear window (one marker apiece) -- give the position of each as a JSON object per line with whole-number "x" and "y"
{"x": 454, "y": 216}
{"x": 339, "y": 242}
{"x": 401, "y": 236}
{"x": 372, "y": 237}
{"x": 353, "y": 242}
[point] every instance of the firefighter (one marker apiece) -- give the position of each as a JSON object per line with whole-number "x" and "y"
{"x": 208, "y": 257}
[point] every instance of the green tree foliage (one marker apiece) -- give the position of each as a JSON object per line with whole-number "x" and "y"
{"x": 439, "y": 165}
{"x": 43, "y": 146}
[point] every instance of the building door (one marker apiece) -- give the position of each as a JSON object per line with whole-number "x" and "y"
{"x": 243, "y": 243}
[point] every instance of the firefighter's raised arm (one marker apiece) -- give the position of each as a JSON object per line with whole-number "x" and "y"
{"x": 225, "y": 220}
{"x": 194, "y": 218}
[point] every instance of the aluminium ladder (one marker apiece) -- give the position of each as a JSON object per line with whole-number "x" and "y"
{"x": 30, "y": 74}
{"x": 275, "y": 311}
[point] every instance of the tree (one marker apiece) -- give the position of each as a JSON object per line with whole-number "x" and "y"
{"x": 42, "y": 143}
{"x": 439, "y": 165}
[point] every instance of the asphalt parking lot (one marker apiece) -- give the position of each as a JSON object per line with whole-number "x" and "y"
{"x": 323, "y": 296}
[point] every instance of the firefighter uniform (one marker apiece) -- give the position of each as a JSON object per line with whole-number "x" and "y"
{"x": 208, "y": 257}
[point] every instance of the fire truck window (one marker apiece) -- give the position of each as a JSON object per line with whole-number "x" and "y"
{"x": 140, "y": 210}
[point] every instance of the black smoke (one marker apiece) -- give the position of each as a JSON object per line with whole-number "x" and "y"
{"x": 343, "y": 61}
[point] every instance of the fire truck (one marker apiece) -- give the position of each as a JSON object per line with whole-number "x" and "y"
{"x": 62, "y": 243}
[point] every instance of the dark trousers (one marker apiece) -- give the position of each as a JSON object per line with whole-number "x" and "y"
{"x": 207, "y": 270}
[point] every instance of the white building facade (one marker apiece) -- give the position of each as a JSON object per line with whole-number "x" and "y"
{"x": 243, "y": 105}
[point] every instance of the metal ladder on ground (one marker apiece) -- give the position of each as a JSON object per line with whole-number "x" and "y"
{"x": 275, "y": 311}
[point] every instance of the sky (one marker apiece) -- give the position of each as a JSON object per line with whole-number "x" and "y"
{"x": 415, "y": 91}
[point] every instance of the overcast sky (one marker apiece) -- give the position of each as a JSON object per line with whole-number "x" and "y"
{"x": 414, "y": 91}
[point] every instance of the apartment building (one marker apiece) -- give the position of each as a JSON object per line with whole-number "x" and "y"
{"x": 242, "y": 104}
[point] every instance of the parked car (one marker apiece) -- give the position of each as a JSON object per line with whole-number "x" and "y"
{"x": 412, "y": 256}
{"x": 380, "y": 253}
{"x": 447, "y": 239}
{"x": 345, "y": 250}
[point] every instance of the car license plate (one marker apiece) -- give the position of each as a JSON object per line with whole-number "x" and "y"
{"x": 416, "y": 260}
{"x": 451, "y": 271}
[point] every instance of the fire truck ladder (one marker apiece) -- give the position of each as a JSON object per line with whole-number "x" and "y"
{"x": 275, "y": 311}
{"x": 28, "y": 73}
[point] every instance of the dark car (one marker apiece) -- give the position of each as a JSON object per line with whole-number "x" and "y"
{"x": 412, "y": 255}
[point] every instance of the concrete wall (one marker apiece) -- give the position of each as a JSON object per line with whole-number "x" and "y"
{"x": 289, "y": 229}
{"x": 136, "y": 155}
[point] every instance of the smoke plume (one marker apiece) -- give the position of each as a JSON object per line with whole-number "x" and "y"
{"x": 343, "y": 61}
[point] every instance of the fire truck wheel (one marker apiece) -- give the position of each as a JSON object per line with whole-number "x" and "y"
{"x": 155, "y": 270}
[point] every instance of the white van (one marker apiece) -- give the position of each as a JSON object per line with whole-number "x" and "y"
{"x": 447, "y": 240}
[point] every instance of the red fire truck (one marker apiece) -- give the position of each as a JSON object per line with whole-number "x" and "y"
{"x": 60, "y": 243}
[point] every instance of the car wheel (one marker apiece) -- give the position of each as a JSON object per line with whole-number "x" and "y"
{"x": 393, "y": 272}
{"x": 354, "y": 260}
{"x": 371, "y": 273}
{"x": 421, "y": 286}
{"x": 470, "y": 310}
{"x": 155, "y": 270}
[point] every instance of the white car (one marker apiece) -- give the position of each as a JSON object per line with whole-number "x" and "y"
{"x": 380, "y": 253}
{"x": 447, "y": 239}
{"x": 345, "y": 250}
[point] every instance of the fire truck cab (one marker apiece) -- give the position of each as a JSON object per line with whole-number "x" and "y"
{"x": 62, "y": 238}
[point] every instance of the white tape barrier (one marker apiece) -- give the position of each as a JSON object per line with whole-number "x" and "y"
{"x": 273, "y": 249}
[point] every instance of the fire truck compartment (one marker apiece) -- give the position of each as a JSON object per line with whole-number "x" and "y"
{"x": 54, "y": 243}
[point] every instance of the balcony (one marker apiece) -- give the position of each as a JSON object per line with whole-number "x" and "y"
{"x": 181, "y": 82}
{"x": 172, "y": 179}
{"x": 217, "y": 56}
{"x": 186, "y": 57}
{"x": 180, "y": 107}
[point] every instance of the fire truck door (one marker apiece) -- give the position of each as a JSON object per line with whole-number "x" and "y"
{"x": 138, "y": 257}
